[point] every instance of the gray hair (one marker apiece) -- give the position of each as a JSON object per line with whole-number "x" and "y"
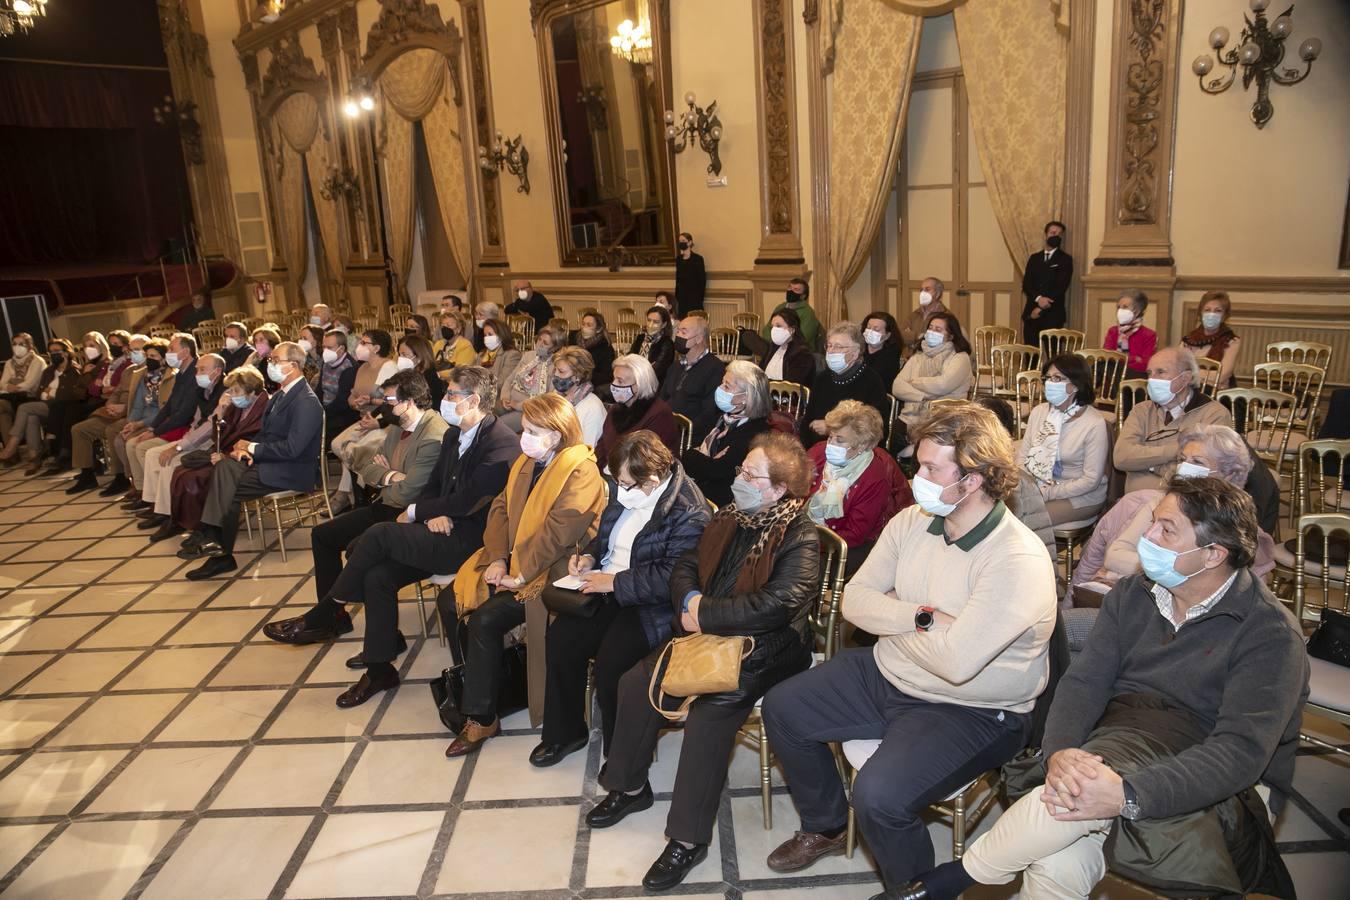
{"x": 938, "y": 286}
{"x": 488, "y": 310}
{"x": 290, "y": 352}
{"x": 848, "y": 330}
{"x": 756, "y": 384}
{"x": 211, "y": 361}
{"x": 645, "y": 383}
{"x": 558, "y": 334}
{"x": 1138, "y": 299}
{"x": 1187, "y": 360}
{"x": 699, "y": 322}
{"x": 474, "y": 380}
{"x": 138, "y": 337}
{"x": 1223, "y": 445}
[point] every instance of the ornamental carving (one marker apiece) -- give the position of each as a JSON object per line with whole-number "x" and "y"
{"x": 350, "y": 34}
{"x": 249, "y": 63}
{"x": 328, "y": 36}
{"x": 811, "y": 12}
{"x": 176, "y": 29}
{"x": 482, "y": 118}
{"x": 777, "y": 118}
{"x": 405, "y": 24}
{"x": 1144, "y": 76}
{"x": 289, "y": 69}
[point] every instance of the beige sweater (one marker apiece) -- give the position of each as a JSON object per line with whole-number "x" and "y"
{"x": 1146, "y": 444}
{"x": 941, "y": 375}
{"x": 997, "y": 581}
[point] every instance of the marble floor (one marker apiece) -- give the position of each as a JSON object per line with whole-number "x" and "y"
{"x": 154, "y": 744}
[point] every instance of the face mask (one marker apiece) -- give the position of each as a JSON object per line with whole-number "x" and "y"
{"x": 363, "y": 352}
{"x": 20, "y": 351}
{"x": 274, "y": 372}
{"x": 563, "y": 385}
{"x": 747, "y": 496}
{"x": 928, "y": 494}
{"x": 450, "y": 412}
{"x": 1160, "y": 564}
{"x": 933, "y": 338}
{"x": 491, "y": 341}
{"x": 836, "y": 454}
{"x": 621, "y": 393}
{"x": 262, "y": 350}
{"x": 479, "y": 323}
{"x": 1160, "y": 391}
{"x": 408, "y": 418}
{"x": 543, "y": 352}
{"x": 1053, "y": 241}
{"x": 522, "y": 295}
{"x": 1124, "y": 316}
{"x": 587, "y": 332}
{"x": 57, "y": 356}
{"x": 307, "y": 346}
{"x": 837, "y": 362}
{"x": 1056, "y": 392}
{"x": 204, "y": 382}
{"x": 241, "y": 401}
{"x": 315, "y": 320}
{"x": 92, "y": 353}
{"x": 1187, "y": 469}
{"x": 925, "y": 298}
{"x": 535, "y": 447}
{"x": 138, "y": 357}
{"x": 873, "y": 338}
{"x": 342, "y": 328}
{"x": 404, "y": 364}
{"x": 152, "y": 364}
{"x": 682, "y": 246}
{"x": 409, "y": 332}
{"x": 171, "y": 360}
{"x": 329, "y": 356}
{"x": 1211, "y": 320}
{"x": 654, "y": 328}
{"x": 116, "y": 350}
{"x": 446, "y": 333}
{"x": 780, "y": 335}
{"x": 631, "y": 498}
{"x": 725, "y": 399}
{"x": 232, "y": 344}
{"x": 681, "y": 345}
{"x": 793, "y": 298}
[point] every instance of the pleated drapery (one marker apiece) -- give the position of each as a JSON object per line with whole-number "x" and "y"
{"x": 299, "y": 123}
{"x": 397, "y": 156}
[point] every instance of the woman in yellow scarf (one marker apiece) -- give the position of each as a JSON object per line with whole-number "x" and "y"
{"x": 551, "y": 507}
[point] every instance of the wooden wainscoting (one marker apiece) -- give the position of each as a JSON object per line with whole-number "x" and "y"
{"x": 1257, "y": 325}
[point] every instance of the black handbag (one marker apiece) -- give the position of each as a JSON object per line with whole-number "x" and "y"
{"x": 447, "y": 691}
{"x": 195, "y": 459}
{"x": 1331, "y": 641}
{"x": 567, "y": 602}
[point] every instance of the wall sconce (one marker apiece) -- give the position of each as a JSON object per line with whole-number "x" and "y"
{"x": 696, "y": 122}
{"x": 1260, "y": 52}
{"x": 184, "y": 117}
{"x": 341, "y": 183}
{"x": 360, "y": 100}
{"x": 509, "y": 155}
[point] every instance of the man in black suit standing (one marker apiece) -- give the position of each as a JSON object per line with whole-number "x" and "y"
{"x": 691, "y": 277}
{"x": 1046, "y": 286}
{"x": 284, "y": 456}
{"x": 529, "y": 302}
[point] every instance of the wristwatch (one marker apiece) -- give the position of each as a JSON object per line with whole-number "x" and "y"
{"x": 923, "y": 619}
{"x": 1130, "y": 808}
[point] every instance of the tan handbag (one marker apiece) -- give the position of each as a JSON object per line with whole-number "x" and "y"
{"x": 697, "y": 664}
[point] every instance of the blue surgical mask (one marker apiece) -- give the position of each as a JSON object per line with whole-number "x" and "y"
{"x": 1160, "y": 391}
{"x": 1056, "y": 392}
{"x": 747, "y": 496}
{"x": 933, "y": 338}
{"x": 204, "y": 382}
{"x": 1187, "y": 469}
{"x": 1160, "y": 564}
{"x": 836, "y": 454}
{"x": 171, "y": 360}
{"x": 315, "y": 320}
{"x": 138, "y": 357}
{"x": 928, "y": 494}
{"x": 243, "y": 401}
{"x": 450, "y": 412}
{"x": 1211, "y": 320}
{"x": 725, "y": 399}
{"x": 274, "y": 372}
{"x": 837, "y": 362}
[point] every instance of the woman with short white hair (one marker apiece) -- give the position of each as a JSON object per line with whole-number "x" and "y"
{"x": 743, "y": 398}
{"x": 636, "y": 406}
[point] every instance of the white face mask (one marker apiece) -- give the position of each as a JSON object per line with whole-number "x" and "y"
{"x": 363, "y": 352}
{"x": 1124, "y": 316}
{"x": 171, "y": 360}
{"x": 491, "y": 341}
{"x": 92, "y": 353}
{"x": 873, "y": 338}
{"x": 1187, "y": 469}
{"x": 450, "y": 412}
{"x": 404, "y": 364}
{"x": 522, "y": 294}
{"x": 20, "y": 351}
{"x": 635, "y": 498}
{"x": 925, "y": 298}
{"x": 928, "y": 494}
{"x": 1160, "y": 391}
{"x": 779, "y": 335}
{"x": 1211, "y": 320}
{"x": 315, "y": 320}
{"x": 231, "y": 344}
{"x": 933, "y": 338}
{"x": 535, "y": 447}
{"x": 307, "y": 346}
{"x": 330, "y": 356}
{"x": 479, "y": 322}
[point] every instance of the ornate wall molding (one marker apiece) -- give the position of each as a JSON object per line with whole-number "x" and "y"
{"x": 290, "y": 71}
{"x": 1078, "y": 142}
{"x": 256, "y": 36}
{"x": 411, "y": 24}
{"x": 780, "y": 235}
{"x": 493, "y": 251}
{"x": 819, "y": 131}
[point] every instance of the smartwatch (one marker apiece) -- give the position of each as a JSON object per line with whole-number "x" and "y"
{"x": 1130, "y": 808}
{"x": 923, "y": 619}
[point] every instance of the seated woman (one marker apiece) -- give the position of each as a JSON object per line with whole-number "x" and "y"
{"x": 59, "y": 377}
{"x": 416, "y": 325}
{"x": 1213, "y": 339}
{"x": 787, "y": 357}
{"x": 755, "y": 573}
{"x": 1067, "y": 443}
{"x": 552, "y": 504}
{"x": 148, "y": 395}
{"x": 636, "y": 407}
{"x": 858, "y": 487}
{"x": 655, "y": 514}
{"x": 656, "y": 344}
{"x": 593, "y": 337}
{"x": 574, "y": 378}
{"x": 881, "y": 334}
{"x": 414, "y": 353}
{"x": 310, "y": 339}
{"x": 484, "y": 312}
{"x": 373, "y": 350}
{"x": 743, "y": 398}
{"x": 264, "y": 340}
{"x": 1027, "y": 501}
{"x": 939, "y": 371}
{"x": 530, "y": 378}
{"x": 453, "y": 348}
{"x": 65, "y": 412}
{"x": 499, "y": 355}
{"x": 179, "y": 490}
{"x": 846, "y": 377}
{"x": 1111, "y": 553}
{"x": 1130, "y": 335}
{"x": 18, "y": 382}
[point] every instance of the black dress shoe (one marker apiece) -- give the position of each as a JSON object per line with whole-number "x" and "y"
{"x": 216, "y": 565}
{"x": 60, "y": 467}
{"x": 617, "y": 805}
{"x": 546, "y": 755}
{"x": 298, "y": 631}
{"x": 146, "y": 512}
{"x": 366, "y": 688}
{"x": 204, "y": 550}
{"x": 119, "y": 484}
{"x": 133, "y": 505}
{"x": 152, "y": 521}
{"x": 673, "y": 865}
{"x": 359, "y": 660}
{"x": 86, "y": 482}
{"x": 912, "y": 891}
{"x": 166, "y": 530}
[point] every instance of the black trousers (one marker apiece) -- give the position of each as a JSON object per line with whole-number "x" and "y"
{"x": 488, "y": 627}
{"x": 928, "y": 750}
{"x": 709, "y": 737}
{"x": 232, "y": 482}
{"x": 63, "y": 415}
{"x": 330, "y": 539}
{"x": 388, "y": 556}
{"x": 614, "y": 638}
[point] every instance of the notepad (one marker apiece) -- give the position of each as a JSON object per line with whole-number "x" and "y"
{"x": 569, "y": 583}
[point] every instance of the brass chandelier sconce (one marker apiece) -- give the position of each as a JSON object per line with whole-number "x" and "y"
{"x": 509, "y": 155}
{"x": 697, "y": 124}
{"x": 17, "y": 16}
{"x": 341, "y": 183}
{"x": 184, "y": 117}
{"x": 1260, "y": 53}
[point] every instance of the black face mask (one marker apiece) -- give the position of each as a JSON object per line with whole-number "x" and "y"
{"x": 794, "y": 297}
{"x": 57, "y": 356}
{"x": 409, "y": 332}
{"x": 1053, "y": 241}
{"x": 151, "y": 364}
{"x": 681, "y": 346}
{"x": 682, "y": 246}
{"x": 446, "y": 333}
{"x": 116, "y": 350}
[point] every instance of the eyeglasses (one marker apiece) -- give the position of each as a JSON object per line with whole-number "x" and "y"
{"x": 391, "y": 400}
{"x": 743, "y": 471}
{"x": 839, "y": 348}
{"x": 625, "y": 487}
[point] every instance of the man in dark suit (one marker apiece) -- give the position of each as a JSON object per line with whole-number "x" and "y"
{"x": 283, "y": 457}
{"x": 1046, "y": 286}
{"x": 690, "y": 383}
{"x": 691, "y": 277}
{"x": 433, "y": 536}
{"x": 529, "y": 302}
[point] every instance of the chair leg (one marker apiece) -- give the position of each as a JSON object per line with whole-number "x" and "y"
{"x": 959, "y": 826}
{"x": 1068, "y": 560}
{"x": 765, "y": 781}
{"x": 248, "y": 520}
{"x": 590, "y": 692}
{"x": 421, "y": 609}
{"x": 281, "y": 532}
{"x": 851, "y": 829}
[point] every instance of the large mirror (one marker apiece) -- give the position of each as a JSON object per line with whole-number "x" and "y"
{"x": 606, "y": 74}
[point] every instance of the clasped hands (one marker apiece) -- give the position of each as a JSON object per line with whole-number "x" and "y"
{"x": 240, "y": 453}
{"x": 583, "y": 566}
{"x": 1079, "y": 786}
{"x": 497, "y": 576}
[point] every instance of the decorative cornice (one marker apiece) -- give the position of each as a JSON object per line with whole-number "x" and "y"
{"x": 257, "y": 36}
{"x": 408, "y": 24}
{"x": 1266, "y": 284}
{"x": 328, "y": 36}
{"x": 176, "y": 30}
{"x": 811, "y": 12}
{"x": 288, "y": 67}
{"x": 777, "y": 119}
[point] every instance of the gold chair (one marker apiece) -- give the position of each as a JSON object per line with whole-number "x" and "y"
{"x": 1006, "y": 361}
{"x": 1027, "y": 391}
{"x": 1328, "y": 692}
{"x": 1055, "y": 341}
{"x": 686, "y": 427}
{"x": 985, "y": 339}
{"x": 892, "y": 418}
{"x": 367, "y": 321}
{"x": 1303, "y": 381}
{"x": 399, "y": 312}
{"x": 789, "y": 397}
{"x": 1265, "y": 419}
{"x": 438, "y": 582}
{"x": 524, "y": 327}
{"x": 748, "y": 320}
{"x": 163, "y": 330}
{"x": 825, "y": 626}
{"x": 560, "y": 324}
{"x": 1319, "y": 487}
{"x": 625, "y": 333}
{"x": 723, "y": 343}
{"x": 1309, "y": 353}
{"x": 1209, "y": 375}
{"x": 1129, "y": 392}
{"x": 1107, "y": 367}
{"x": 209, "y": 338}
{"x": 625, "y": 315}
{"x": 294, "y": 499}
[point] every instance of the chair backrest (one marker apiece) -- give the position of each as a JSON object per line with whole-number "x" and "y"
{"x": 1302, "y": 380}
{"x": 1006, "y": 360}
{"x": 524, "y": 327}
{"x": 209, "y": 338}
{"x": 1209, "y": 375}
{"x": 789, "y": 397}
{"x": 686, "y": 431}
{"x": 626, "y": 314}
{"x": 824, "y": 617}
{"x": 983, "y": 341}
{"x": 1319, "y": 481}
{"x": 1027, "y": 390}
{"x": 1130, "y": 392}
{"x": 164, "y": 330}
{"x": 1055, "y": 341}
{"x": 892, "y": 417}
{"x": 624, "y": 335}
{"x": 1309, "y": 353}
{"x": 1316, "y": 534}
{"x": 399, "y": 312}
{"x": 1263, "y": 418}
{"x": 367, "y": 321}
{"x": 561, "y": 324}
{"x": 723, "y": 343}
{"x": 748, "y": 320}
{"x": 1107, "y": 367}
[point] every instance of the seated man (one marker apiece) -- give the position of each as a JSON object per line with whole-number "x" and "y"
{"x": 1148, "y": 440}
{"x": 433, "y": 536}
{"x": 959, "y": 660}
{"x": 690, "y": 383}
{"x": 104, "y": 423}
{"x": 284, "y": 456}
{"x": 1155, "y": 741}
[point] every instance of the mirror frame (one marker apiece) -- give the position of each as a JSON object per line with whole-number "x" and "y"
{"x": 549, "y": 11}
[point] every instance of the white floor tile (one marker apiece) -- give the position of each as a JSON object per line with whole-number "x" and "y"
{"x": 484, "y": 852}
{"x": 48, "y": 784}
{"x": 95, "y": 860}
{"x": 622, "y": 854}
{"x": 222, "y": 716}
{"x": 367, "y": 854}
{"x": 406, "y": 771}
{"x": 274, "y": 777}
{"x": 207, "y": 864}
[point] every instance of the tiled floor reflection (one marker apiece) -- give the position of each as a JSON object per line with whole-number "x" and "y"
{"x": 153, "y": 744}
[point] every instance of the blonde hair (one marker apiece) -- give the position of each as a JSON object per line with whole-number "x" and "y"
{"x": 553, "y": 412}
{"x": 981, "y": 444}
{"x": 97, "y": 338}
{"x": 863, "y": 419}
{"x": 246, "y": 377}
{"x": 788, "y": 463}
{"x": 578, "y": 360}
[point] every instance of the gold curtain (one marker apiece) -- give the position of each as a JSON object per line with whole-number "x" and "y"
{"x": 397, "y": 156}
{"x": 832, "y": 15}
{"x": 446, "y": 152}
{"x": 413, "y": 82}
{"x": 298, "y": 121}
{"x": 295, "y": 234}
{"x": 1014, "y": 55}
{"x": 876, "y": 50}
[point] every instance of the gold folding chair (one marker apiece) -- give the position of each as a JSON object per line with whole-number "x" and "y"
{"x": 524, "y": 327}
{"x": 1055, "y": 341}
{"x": 723, "y": 343}
{"x": 163, "y": 330}
{"x": 789, "y": 397}
{"x": 748, "y": 320}
{"x": 1319, "y": 487}
{"x": 985, "y": 339}
{"x": 892, "y": 417}
{"x": 1006, "y": 361}
{"x": 686, "y": 427}
{"x": 1265, "y": 419}
{"x": 1209, "y": 375}
{"x": 1327, "y": 693}
{"x": 624, "y": 335}
{"x": 293, "y": 499}
{"x": 368, "y": 321}
{"x": 1027, "y": 390}
{"x": 1304, "y": 382}
{"x": 1129, "y": 392}
{"x": 1107, "y": 368}
{"x": 399, "y": 312}
{"x": 1310, "y": 353}
{"x": 625, "y": 315}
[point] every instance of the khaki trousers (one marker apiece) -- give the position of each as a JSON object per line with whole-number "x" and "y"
{"x": 158, "y": 481}
{"x": 1058, "y": 859}
{"x": 85, "y": 434}
{"x": 137, "y": 446}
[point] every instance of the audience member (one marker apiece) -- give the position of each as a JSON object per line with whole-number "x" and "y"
{"x": 950, "y": 685}
{"x": 655, "y": 344}
{"x": 551, "y": 505}
{"x": 1153, "y": 740}
{"x": 797, "y": 301}
{"x": 882, "y": 337}
{"x": 337, "y": 380}
{"x": 858, "y": 487}
{"x": 196, "y": 388}
{"x": 104, "y": 424}
{"x": 593, "y": 337}
{"x": 1213, "y": 339}
{"x": 482, "y": 313}
{"x": 573, "y": 377}
{"x": 1130, "y": 335}
{"x": 415, "y": 355}
{"x": 310, "y": 339}
{"x": 691, "y": 277}
{"x": 416, "y": 325}
{"x": 284, "y": 456}
{"x": 1045, "y": 285}
{"x": 1067, "y": 442}
{"x": 19, "y": 381}
{"x": 636, "y": 407}
{"x": 532, "y": 377}
{"x": 689, "y": 385}
{"x": 237, "y": 348}
{"x": 666, "y": 300}
{"x": 453, "y": 349}
{"x": 787, "y": 357}
{"x": 743, "y": 399}
{"x": 358, "y": 441}
{"x": 200, "y": 311}
{"x": 499, "y": 355}
{"x": 655, "y": 515}
{"x": 60, "y": 377}
{"x": 151, "y": 387}
{"x": 1148, "y": 439}
{"x": 846, "y": 377}
{"x": 529, "y": 302}
{"x": 939, "y": 371}
{"x": 916, "y": 323}
{"x": 1026, "y": 501}
{"x": 757, "y": 565}
{"x": 320, "y": 316}
{"x": 65, "y": 411}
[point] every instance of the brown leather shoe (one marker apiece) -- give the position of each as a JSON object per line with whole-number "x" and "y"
{"x": 803, "y": 849}
{"x": 471, "y": 739}
{"x": 366, "y": 688}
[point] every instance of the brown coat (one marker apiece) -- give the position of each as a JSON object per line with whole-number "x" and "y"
{"x": 1146, "y": 444}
